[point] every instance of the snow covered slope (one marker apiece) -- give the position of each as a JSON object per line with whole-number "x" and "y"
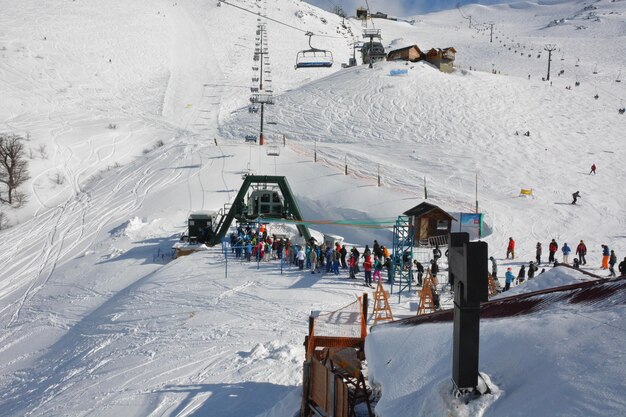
{"x": 122, "y": 102}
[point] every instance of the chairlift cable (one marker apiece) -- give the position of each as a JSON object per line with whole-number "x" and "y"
{"x": 277, "y": 21}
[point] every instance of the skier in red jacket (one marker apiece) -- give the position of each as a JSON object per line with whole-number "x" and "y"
{"x": 510, "y": 249}
{"x": 581, "y": 251}
{"x": 553, "y": 248}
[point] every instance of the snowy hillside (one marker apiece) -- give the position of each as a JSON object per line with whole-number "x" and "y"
{"x": 122, "y": 105}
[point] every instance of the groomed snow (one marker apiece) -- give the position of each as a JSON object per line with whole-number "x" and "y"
{"x": 123, "y": 104}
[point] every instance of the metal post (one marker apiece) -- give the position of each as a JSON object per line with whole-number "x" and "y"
{"x": 226, "y": 262}
{"x": 258, "y": 253}
{"x": 468, "y": 276}
{"x": 261, "y": 54}
{"x": 345, "y": 162}
{"x": 549, "y": 48}
{"x": 491, "y": 34}
{"x": 315, "y": 152}
{"x": 379, "y": 174}
{"x": 425, "y": 190}
{"x": 477, "y": 192}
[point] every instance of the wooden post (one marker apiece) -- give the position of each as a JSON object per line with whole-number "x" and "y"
{"x": 315, "y": 152}
{"x": 425, "y": 190}
{"x": 345, "y": 162}
{"x": 379, "y": 174}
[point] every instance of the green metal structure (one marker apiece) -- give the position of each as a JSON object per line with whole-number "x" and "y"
{"x": 240, "y": 210}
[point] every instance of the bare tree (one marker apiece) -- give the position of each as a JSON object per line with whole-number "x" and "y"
{"x": 338, "y": 10}
{"x": 13, "y": 164}
{"x": 43, "y": 152}
{"x": 4, "y": 222}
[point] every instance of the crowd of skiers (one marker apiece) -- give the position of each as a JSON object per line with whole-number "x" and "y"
{"x": 250, "y": 243}
{"x": 609, "y": 259}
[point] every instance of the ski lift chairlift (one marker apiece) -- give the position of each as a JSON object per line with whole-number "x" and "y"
{"x": 273, "y": 151}
{"x": 314, "y": 57}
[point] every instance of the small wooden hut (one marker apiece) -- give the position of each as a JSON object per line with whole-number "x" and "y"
{"x": 430, "y": 224}
{"x": 409, "y": 53}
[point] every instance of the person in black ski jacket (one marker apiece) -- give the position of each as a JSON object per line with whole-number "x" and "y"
{"x": 377, "y": 250}
{"x": 538, "y": 253}
{"x": 521, "y": 275}
{"x": 343, "y": 251}
{"x": 532, "y": 268}
{"x": 575, "y": 196}
{"x": 612, "y": 262}
{"x": 622, "y": 267}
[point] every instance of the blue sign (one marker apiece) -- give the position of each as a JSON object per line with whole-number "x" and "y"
{"x": 398, "y": 72}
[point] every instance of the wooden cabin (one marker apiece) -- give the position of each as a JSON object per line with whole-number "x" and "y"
{"x": 409, "y": 53}
{"x": 429, "y": 222}
{"x": 443, "y": 59}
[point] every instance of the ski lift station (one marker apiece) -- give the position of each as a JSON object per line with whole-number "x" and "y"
{"x": 270, "y": 198}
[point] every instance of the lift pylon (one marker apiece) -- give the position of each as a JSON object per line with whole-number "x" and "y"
{"x": 402, "y": 256}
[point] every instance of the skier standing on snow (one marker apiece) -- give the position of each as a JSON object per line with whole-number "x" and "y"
{"x": 510, "y": 249}
{"x": 343, "y": 253}
{"x": 378, "y": 267}
{"x": 367, "y": 268}
{"x": 552, "y": 248}
{"x": 436, "y": 252}
{"x": 509, "y": 278}
{"x": 494, "y": 267}
{"x": 593, "y": 169}
{"x": 581, "y": 251}
{"x": 521, "y": 275}
{"x": 532, "y": 268}
{"x": 566, "y": 251}
{"x": 612, "y": 262}
{"x": 301, "y": 257}
{"x": 605, "y": 257}
{"x": 377, "y": 250}
{"x": 538, "y": 253}
{"x": 576, "y": 196}
{"x": 622, "y": 267}
{"x": 419, "y": 268}
{"x": 313, "y": 258}
{"x": 434, "y": 268}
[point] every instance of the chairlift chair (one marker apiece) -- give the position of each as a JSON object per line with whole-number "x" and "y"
{"x": 273, "y": 151}
{"x": 313, "y": 57}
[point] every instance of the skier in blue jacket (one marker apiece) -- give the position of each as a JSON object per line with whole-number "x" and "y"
{"x": 509, "y": 278}
{"x": 566, "y": 251}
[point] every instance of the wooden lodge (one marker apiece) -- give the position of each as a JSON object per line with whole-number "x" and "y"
{"x": 430, "y": 224}
{"x": 443, "y": 59}
{"x": 409, "y": 53}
